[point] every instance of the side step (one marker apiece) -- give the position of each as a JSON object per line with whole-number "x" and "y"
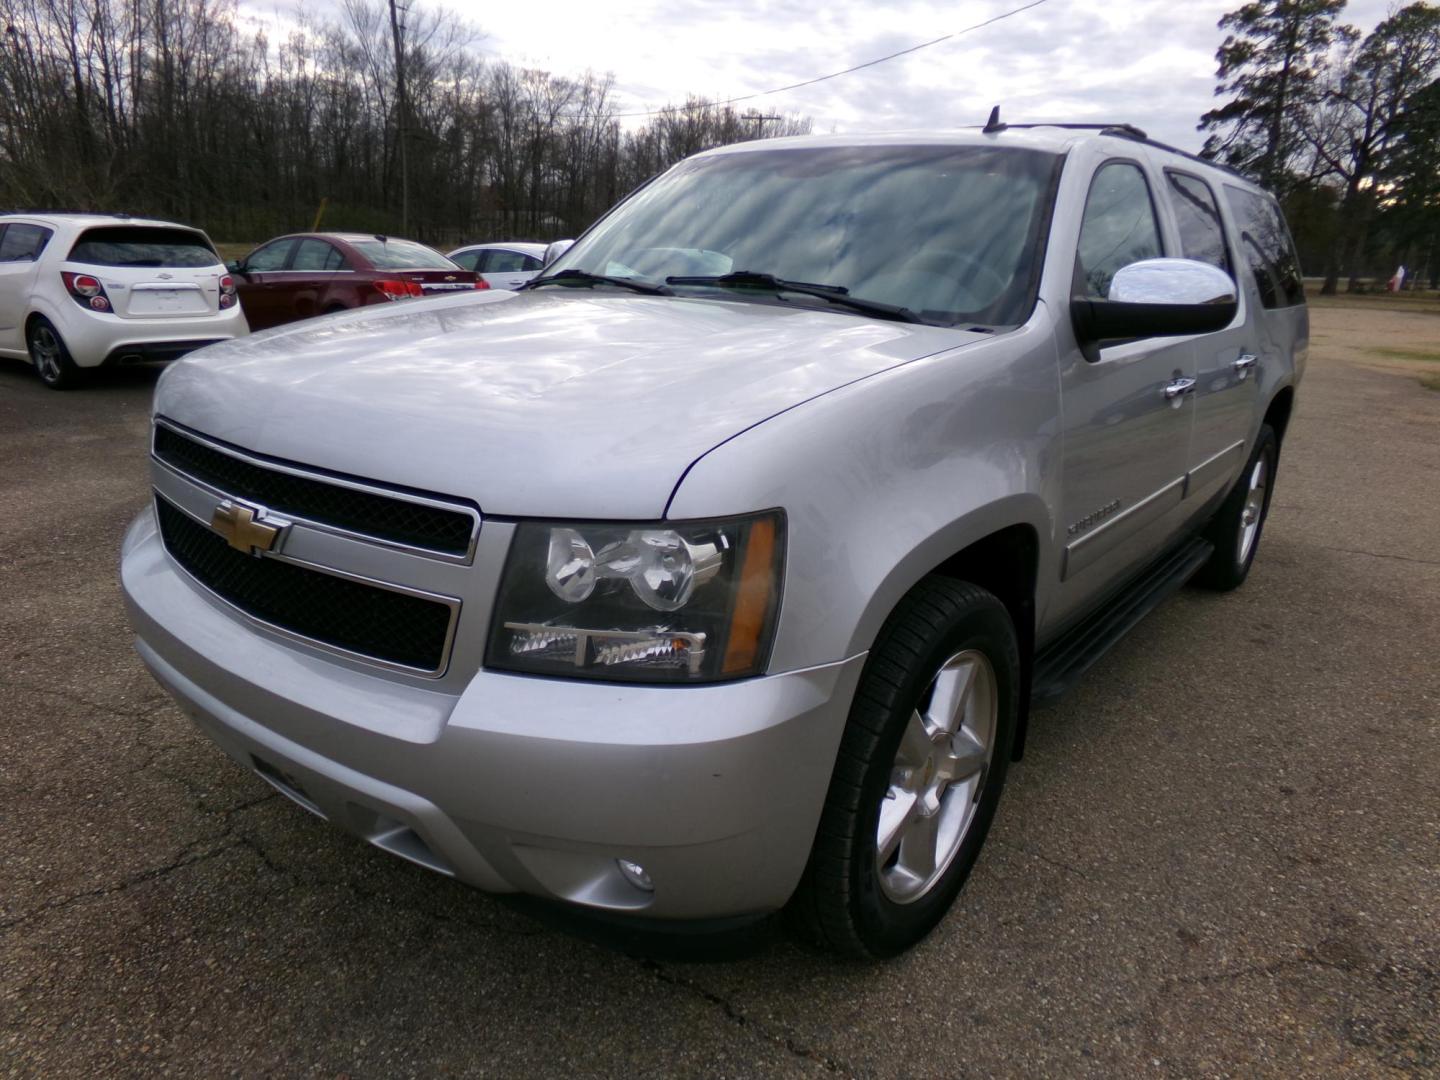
{"x": 1061, "y": 663}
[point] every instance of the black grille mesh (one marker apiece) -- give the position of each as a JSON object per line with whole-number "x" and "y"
{"x": 397, "y": 520}
{"x": 377, "y": 622}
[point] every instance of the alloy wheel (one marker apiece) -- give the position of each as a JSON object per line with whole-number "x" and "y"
{"x": 937, "y": 777}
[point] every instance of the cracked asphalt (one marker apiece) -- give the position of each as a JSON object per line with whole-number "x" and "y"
{"x": 1220, "y": 856}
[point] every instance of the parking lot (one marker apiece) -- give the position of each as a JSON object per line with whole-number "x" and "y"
{"x": 1221, "y": 854}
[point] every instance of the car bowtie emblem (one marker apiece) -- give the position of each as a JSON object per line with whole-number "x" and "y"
{"x": 449, "y": 277}
{"x": 164, "y": 277}
{"x": 243, "y": 528}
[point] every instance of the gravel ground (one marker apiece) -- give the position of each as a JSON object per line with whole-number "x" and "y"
{"x": 1221, "y": 855}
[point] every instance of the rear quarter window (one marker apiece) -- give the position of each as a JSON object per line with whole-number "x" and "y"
{"x": 22, "y": 243}
{"x": 1266, "y": 246}
{"x": 142, "y": 245}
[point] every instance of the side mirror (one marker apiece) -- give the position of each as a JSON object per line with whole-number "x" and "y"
{"x": 556, "y": 249}
{"x": 1156, "y": 298}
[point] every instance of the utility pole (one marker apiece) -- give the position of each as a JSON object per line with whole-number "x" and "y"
{"x": 760, "y": 123}
{"x": 396, "y": 30}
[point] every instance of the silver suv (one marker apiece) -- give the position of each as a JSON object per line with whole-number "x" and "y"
{"x": 718, "y": 570}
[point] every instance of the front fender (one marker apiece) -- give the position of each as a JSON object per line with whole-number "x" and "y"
{"x": 884, "y": 480}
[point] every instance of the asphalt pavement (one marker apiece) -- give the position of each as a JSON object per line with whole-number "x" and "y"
{"x": 1220, "y": 856}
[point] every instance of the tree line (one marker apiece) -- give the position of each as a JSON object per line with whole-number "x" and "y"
{"x": 1344, "y": 127}
{"x": 173, "y": 108}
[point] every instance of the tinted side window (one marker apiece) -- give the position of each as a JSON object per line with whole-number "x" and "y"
{"x": 1118, "y": 229}
{"x": 269, "y": 258}
{"x": 467, "y": 259}
{"x": 505, "y": 262}
{"x": 1202, "y": 237}
{"x": 316, "y": 255}
{"x": 531, "y": 263}
{"x": 1266, "y": 245}
{"x": 22, "y": 243}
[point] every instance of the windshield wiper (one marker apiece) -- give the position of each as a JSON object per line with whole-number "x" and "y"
{"x": 838, "y": 295}
{"x": 584, "y": 277}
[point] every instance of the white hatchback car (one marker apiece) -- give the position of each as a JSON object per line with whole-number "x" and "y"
{"x": 81, "y": 290}
{"x": 503, "y": 266}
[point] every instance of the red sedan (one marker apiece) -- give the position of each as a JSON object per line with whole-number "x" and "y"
{"x": 304, "y": 274}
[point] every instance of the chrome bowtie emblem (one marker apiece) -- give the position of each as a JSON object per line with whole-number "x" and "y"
{"x": 245, "y": 529}
{"x": 165, "y": 277}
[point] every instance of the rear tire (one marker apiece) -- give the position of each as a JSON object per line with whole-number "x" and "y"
{"x": 1236, "y": 527}
{"x": 50, "y": 356}
{"x": 918, "y": 775}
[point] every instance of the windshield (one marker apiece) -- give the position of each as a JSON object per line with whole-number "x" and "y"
{"x": 143, "y": 245}
{"x": 953, "y": 233}
{"x": 402, "y": 255}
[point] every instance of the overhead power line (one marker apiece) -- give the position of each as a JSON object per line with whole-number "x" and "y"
{"x": 836, "y": 74}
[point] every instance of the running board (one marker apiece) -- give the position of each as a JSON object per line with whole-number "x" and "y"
{"x": 1061, "y": 663}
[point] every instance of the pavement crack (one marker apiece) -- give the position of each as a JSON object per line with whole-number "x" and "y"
{"x": 1380, "y": 555}
{"x": 76, "y": 699}
{"x": 186, "y": 859}
{"x": 738, "y": 1016}
{"x": 1059, "y": 865}
{"x": 1306, "y": 958}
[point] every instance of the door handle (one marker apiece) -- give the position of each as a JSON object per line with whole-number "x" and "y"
{"x": 1244, "y": 363}
{"x": 1178, "y": 387}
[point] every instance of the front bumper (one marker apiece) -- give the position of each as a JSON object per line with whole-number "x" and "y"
{"x": 515, "y": 783}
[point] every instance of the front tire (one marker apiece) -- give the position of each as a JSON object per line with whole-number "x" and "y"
{"x": 919, "y": 773}
{"x": 1236, "y": 527}
{"x": 50, "y": 356}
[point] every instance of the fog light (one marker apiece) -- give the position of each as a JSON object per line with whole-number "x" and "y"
{"x": 635, "y": 874}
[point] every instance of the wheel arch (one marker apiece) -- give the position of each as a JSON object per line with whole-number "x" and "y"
{"x": 997, "y": 548}
{"x": 1277, "y": 413}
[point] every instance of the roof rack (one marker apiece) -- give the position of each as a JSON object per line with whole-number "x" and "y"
{"x": 1123, "y": 131}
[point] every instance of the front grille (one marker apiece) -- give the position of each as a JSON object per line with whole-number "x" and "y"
{"x": 376, "y": 622}
{"x": 384, "y": 517}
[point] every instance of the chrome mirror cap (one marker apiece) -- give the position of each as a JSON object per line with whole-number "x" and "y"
{"x": 1172, "y": 281}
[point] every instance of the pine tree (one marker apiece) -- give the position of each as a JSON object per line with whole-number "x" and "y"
{"x": 1269, "y": 64}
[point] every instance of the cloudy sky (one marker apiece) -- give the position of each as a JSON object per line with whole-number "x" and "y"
{"x": 1146, "y": 62}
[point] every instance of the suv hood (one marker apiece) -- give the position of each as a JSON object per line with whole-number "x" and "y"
{"x": 532, "y": 404}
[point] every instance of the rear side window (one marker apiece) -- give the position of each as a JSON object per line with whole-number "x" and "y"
{"x": 1119, "y": 227}
{"x": 401, "y": 255}
{"x": 1202, "y": 237}
{"x": 22, "y": 243}
{"x": 508, "y": 262}
{"x": 1266, "y": 245}
{"x": 317, "y": 255}
{"x": 142, "y": 245}
{"x": 467, "y": 259}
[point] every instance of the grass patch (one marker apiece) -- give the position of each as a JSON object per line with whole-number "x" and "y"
{"x": 231, "y": 252}
{"x": 1419, "y": 303}
{"x": 1431, "y": 381}
{"x": 1421, "y": 356}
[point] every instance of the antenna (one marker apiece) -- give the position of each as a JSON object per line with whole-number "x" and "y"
{"x": 993, "y": 126}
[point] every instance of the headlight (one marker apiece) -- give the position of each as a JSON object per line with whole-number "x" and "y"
{"x": 670, "y": 602}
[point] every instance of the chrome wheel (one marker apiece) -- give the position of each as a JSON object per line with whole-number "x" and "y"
{"x": 1254, "y": 509}
{"x": 937, "y": 778}
{"x": 45, "y": 352}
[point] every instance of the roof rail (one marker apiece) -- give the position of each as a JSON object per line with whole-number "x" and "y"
{"x": 1130, "y": 131}
{"x": 121, "y": 214}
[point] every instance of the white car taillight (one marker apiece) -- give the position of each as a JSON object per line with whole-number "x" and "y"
{"x": 86, "y": 290}
{"x": 227, "y": 291}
